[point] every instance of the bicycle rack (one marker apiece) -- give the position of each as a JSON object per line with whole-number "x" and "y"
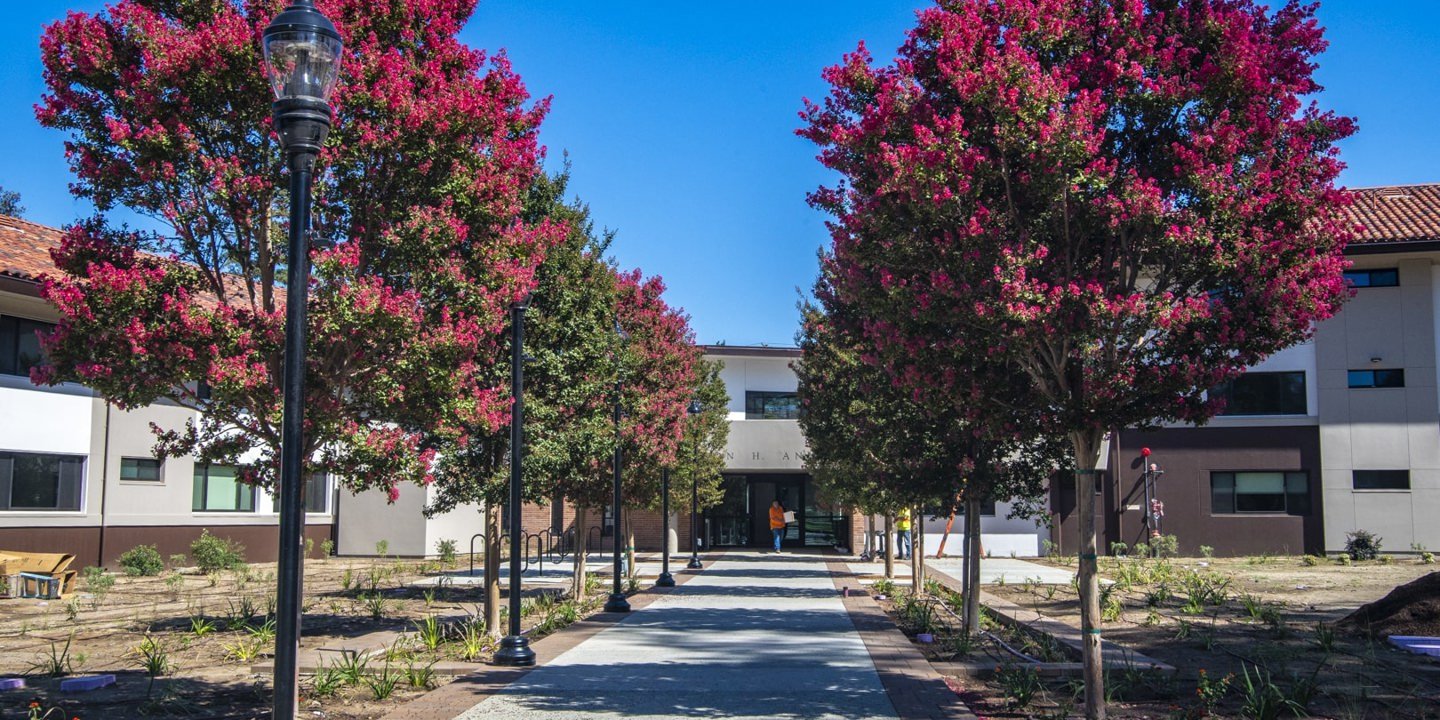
{"x": 472, "y": 551}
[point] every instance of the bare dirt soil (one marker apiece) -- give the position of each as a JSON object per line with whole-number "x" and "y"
{"x": 1276, "y": 620}
{"x": 211, "y": 629}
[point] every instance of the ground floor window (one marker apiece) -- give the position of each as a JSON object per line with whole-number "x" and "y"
{"x": 317, "y": 495}
{"x": 31, "y": 481}
{"x": 219, "y": 489}
{"x": 1260, "y": 492}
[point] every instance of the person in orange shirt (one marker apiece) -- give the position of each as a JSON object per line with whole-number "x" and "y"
{"x": 777, "y": 522}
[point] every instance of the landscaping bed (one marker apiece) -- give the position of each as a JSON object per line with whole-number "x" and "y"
{"x": 185, "y": 643}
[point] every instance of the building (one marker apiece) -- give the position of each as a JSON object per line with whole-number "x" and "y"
{"x": 1338, "y": 434}
{"x": 77, "y": 476}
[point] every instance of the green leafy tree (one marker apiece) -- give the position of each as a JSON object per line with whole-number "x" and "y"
{"x": 10, "y": 203}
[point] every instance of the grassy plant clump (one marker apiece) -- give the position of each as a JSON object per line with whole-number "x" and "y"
{"x": 213, "y": 554}
{"x": 56, "y": 662}
{"x": 1020, "y": 683}
{"x": 142, "y": 561}
{"x": 430, "y": 632}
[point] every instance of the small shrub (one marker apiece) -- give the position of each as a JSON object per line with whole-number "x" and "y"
{"x": 1118, "y": 548}
{"x": 309, "y": 547}
{"x": 142, "y": 561}
{"x": 1424, "y": 556}
{"x": 99, "y": 583}
{"x": 445, "y": 548}
{"x": 327, "y": 547}
{"x": 1362, "y": 545}
{"x": 884, "y": 586}
{"x": 212, "y": 554}
{"x": 1207, "y": 552}
{"x": 175, "y": 582}
{"x": 1309, "y": 561}
{"x": 382, "y": 548}
{"x": 178, "y": 560}
{"x": 1164, "y": 546}
{"x": 1212, "y": 692}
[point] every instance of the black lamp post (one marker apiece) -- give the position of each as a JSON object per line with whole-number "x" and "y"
{"x": 694, "y": 409}
{"x": 665, "y": 579}
{"x": 302, "y": 59}
{"x": 514, "y": 648}
{"x": 617, "y": 602}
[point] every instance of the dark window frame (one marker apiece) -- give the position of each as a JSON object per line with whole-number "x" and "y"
{"x": 1291, "y": 502}
{"x": 11, "y": 330}
{"x": 159, "y": 467}
{"x": 1378, "y": 378}
{"x": 1367, "y": 278}
{"x": 68, "y": 468}
{"x": 756, "y": 407}
{"x": 202, "y": 478}
{"x": 1253, "y": 400}
{"x": 1380, "y": 480}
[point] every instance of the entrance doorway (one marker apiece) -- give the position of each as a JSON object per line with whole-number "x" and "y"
{"x": 742, "y": 519}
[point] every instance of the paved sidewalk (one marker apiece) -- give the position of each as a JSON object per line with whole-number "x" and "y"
{"x": 754, "y": 636}
{"x": 1012, "y": 571}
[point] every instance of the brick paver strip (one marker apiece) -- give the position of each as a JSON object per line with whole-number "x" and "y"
{"x": 914, "y": 687}
{"x": 449, "y": 701}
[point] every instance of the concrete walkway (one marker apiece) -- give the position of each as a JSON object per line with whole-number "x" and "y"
{"x": 754, "y": 636}
{"x": 1010, "y": 571}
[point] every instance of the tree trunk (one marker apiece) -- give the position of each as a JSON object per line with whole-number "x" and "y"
{"x": 972, "y": 568}
{"x": 629, "y": 545}
{"x": 492, "y": 570}
{"x": 889, "y": 547}
{"x": 1087, "y": 447}
{"x": 577, "y": 580}
{"x": 917, "y": 552}
{"x": 870, "y": 536}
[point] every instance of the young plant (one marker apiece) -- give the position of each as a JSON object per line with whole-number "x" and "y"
{"x": 201, "y": 626}
{"x": 1325, "y": 637}
{"x": 1262, "y": 699}
{"x": 1207, "y": 552}
{"x": 382, "y": 548}
{"x": 142, "y": 561}
{"x": 382, "y": 685}
{"x": 213, "y": 554}
{"x": 445, "y": 549}
{"x": 1212, "y": 692}
{"x": 56, "y": 662}
{"x": 1020, "y": 684}
{"x": 474, "y": 643}
{"x": 352, "y": 668}
{"x": 325, "y": 682}
{"x": 99, "y": 583}
{"x": 327, "y": 547}
{"x": 375, "y": 604}
{"x": 420, "y": 676}
{"x": 430, "y": 632}
{"x": 154, "y": 658}
{"x": 243, "y": 650}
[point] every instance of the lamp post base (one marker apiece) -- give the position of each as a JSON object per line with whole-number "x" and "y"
{"x": 515, "y": 651}
{"x": 665, "y": 580}
{"x": 617, "y": 603}
{"x": 694, "y": 563}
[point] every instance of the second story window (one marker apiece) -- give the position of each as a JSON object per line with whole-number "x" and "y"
{"x": 766, "y": 405}
{"x": 1264, "y": 393}
{"x": 1376, "y": 378}
{"x": 19, "y": 344}
{"x": 1387, "y": 277}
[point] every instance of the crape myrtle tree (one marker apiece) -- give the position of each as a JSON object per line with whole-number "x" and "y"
{"x": 1129, "y": 201}
{"x": 569, "y": 339}
{"x": 882, "y": 446}
{"x": 699, "y": 458}
{"x": 660, "y": 371}
{"x": 421, "y": 246}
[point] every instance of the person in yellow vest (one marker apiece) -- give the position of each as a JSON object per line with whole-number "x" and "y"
{"x": 777, "y": 522}
{"x": 902, "y": 533}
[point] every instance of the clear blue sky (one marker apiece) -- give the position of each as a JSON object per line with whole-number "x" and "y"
{"x": 679, "y": 120}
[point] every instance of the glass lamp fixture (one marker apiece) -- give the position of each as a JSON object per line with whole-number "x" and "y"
{"x": 302, "y": 62}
